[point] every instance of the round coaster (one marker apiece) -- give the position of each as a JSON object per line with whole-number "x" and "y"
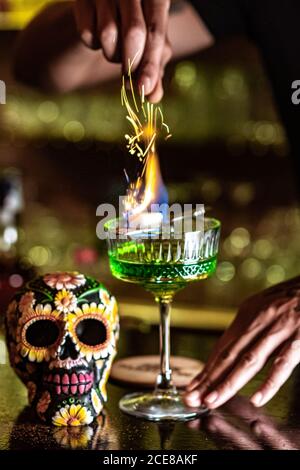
{"x": 142, "y": 371}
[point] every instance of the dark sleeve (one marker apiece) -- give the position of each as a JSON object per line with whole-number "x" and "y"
{"x": 222, "y": 17}
{"x": 274, "y": 26}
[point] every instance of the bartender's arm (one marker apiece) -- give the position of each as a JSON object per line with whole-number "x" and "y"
{"x": 86, "y": 42}
{"x": 266, "y": 326}
{"x": 73, "y": 45}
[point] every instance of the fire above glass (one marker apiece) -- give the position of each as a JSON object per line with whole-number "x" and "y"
{"x": 162, "y": 263}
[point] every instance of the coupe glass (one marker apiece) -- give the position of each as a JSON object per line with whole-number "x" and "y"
{"x": 162, "y": 266}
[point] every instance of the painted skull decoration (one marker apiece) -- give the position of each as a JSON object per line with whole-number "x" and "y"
{"x": 61, "y": 332}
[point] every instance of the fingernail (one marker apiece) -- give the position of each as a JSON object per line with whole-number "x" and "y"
{"x": 87, "y": 37}
{"x": 211, "y": 397}
{"x": 109, "y": 37}
{"x": 256, "y": 398}
{"x": 193, "y": 399}
{"x": 146, "y": 82}
{"x": 108, "y": 41}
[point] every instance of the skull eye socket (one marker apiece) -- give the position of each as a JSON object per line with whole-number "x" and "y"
{"x": 42, "y": 333}
{"x": 91, "y": 332}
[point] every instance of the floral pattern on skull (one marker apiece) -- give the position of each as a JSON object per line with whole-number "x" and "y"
{"x": 62, "y": 332}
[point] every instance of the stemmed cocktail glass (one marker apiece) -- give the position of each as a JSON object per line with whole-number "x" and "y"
{"x": 163, "y": 264}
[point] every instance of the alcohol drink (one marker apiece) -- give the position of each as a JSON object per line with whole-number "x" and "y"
{"x": 144, "y": 264}
{"x": 162, "y": 266}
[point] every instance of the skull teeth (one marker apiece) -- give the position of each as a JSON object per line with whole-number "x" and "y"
{"x": 74, "y": 379}
{"x": 56, "y": 379}
{"x": 65, "y": 379}
{"x": 70, "y": 384}
{"x": 81, "y": 378}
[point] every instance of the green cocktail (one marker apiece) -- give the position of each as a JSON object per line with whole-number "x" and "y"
{"x": 162, "y": 266}
{"x": 140, "y": 263}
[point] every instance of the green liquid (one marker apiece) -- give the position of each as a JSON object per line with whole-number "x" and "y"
{"x": 154, "y": 265}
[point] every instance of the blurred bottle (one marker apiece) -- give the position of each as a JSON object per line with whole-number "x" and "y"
{"x": 11, "y": 206}
{"x": 13, "y": 274}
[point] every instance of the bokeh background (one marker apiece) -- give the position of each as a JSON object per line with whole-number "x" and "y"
{"x": 62, "y": 156}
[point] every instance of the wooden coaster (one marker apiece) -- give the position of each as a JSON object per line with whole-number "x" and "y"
{"x": 141, "y": 371}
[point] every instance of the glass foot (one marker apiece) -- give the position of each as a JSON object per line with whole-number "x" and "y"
{"x": 159, "y": 406}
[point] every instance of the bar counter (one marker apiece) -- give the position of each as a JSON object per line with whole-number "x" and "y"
{"x": 237, "y": 425}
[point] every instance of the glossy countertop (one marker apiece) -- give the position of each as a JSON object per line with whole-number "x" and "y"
{"x": 237, "y": 425}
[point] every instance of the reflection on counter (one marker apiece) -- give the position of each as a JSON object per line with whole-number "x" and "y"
{"x": 29, "y": 433}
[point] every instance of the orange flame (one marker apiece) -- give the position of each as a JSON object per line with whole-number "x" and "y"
{"x": 146, "y": 191}
{"x": 147, "y": 123}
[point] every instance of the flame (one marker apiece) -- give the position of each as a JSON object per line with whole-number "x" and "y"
{"x": 147, "y": 124}
{"x": 153, "y": 180}
{"x": 146, "y": 190}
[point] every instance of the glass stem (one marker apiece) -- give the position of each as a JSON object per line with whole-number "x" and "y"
{"x": 164, "y": 380}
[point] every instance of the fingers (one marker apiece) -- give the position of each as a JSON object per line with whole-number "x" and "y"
{"x": 96, "y": 22}
{"x": 203, "y": 373}
{"x": 133, "y": 32}
{"x": 228, "y": 349}
{"x": 222, "y": 345}
{"x": 251, "y": 362}
{"x": 107, "y": 28}
{"x": 157, "y": 93}
{"x": 232, "y": 342}
{"x": 282, "y": 368}
{"x": 132, "y": 29}
{"x": 231, "y": 373}
{"x": 156, "y": 16}
{"x": 85, "y": 18}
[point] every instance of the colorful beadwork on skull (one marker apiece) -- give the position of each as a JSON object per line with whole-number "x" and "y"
{"x": 61, "y": 332}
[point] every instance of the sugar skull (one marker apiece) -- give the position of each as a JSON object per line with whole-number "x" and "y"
{"x": 61, "y": 333}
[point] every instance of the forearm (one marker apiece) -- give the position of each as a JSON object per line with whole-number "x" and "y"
{"x": 48, "y": 50}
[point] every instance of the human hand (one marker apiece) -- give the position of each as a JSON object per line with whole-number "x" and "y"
{"x": 266, "y": 323}
{"x": 127, "y": 30}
